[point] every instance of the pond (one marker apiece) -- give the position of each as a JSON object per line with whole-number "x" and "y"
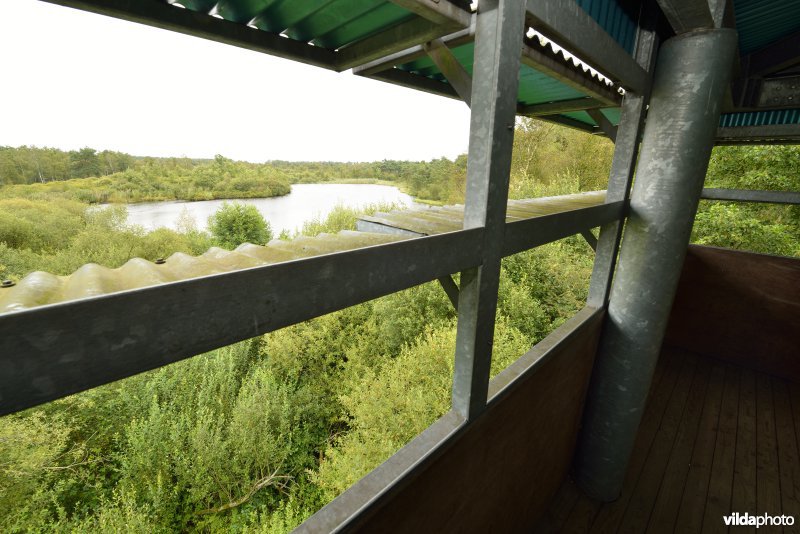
{"x": 289, "y": 212}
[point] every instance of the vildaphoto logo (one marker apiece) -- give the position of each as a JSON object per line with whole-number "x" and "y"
{"x": 746, "y": 520}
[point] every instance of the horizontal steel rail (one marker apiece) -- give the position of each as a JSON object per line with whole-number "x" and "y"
{"x": 529, "y": 233}
{"x": 56, "y": 350}
{"x": 780, "y": 134}
{"x": 750, "y": 195}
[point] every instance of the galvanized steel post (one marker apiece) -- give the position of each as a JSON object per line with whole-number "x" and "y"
{"x": 692, "y": 72}
{"x": 498, "y": 43}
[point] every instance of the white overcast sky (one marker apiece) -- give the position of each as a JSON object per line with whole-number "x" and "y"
{"x": 73, "y": 79}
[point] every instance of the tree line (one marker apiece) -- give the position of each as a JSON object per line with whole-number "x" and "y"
{"x": 544, "y": 155}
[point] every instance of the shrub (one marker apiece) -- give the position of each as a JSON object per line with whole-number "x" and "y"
{"x": 235, "y": 223}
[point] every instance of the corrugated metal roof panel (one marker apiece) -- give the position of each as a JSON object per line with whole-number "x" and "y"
{"x": 448, "y": 218}
{"x": 326, "y": 23}
{"x": 760, "y": 118}
{"x": 40, "y": 288}
{"x": 380, "y": 18}
{"x": 534, "y": 86}
{"x": 761, "y": 22}
{"x": 613, "y": 19}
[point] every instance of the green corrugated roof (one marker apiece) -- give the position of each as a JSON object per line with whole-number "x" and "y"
{"x": 326, "y": 23}
{"x": 613, "y": 19}
{"x": 324, "y": 32}
{"x": 612, "y": 114}
{"x": 761, "y": 118}
{"x": 333, "y": 24}
{"x": 534, "y": 87}
{"x": 762, "y": 22}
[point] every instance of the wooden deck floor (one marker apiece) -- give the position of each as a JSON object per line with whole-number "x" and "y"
{"x": 714, "y": 439}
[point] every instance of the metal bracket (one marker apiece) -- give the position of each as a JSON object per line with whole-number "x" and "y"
{"x": 451, "y": 288}
{"x": 590, "y": 238}
{"x": 609, "y": 129}
{"x": 458, "y": 77}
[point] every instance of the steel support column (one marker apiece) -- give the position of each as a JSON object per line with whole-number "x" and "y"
{"x": 498, "y": 42}
{"x": 691, "y": 75}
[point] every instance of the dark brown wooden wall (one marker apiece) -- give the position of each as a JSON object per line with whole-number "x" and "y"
{"x": 739, "y": 307}
{"x": 502, "y": 471}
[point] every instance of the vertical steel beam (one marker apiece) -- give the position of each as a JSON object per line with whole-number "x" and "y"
{"x": 692, "y": 72}
{"x": 626, "y": 152}
{"x": 498, "y": 43}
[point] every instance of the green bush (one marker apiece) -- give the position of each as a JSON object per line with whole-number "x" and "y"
{"x": 235, "y": 223}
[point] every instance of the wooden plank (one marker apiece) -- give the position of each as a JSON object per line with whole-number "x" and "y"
{"x": 743, "y": 498}
{"x": 739, "y": 307}
{"x": 671, "y": 492}
{"x": 720, "y": 486}
{"x": 768, "y": 478}
{"x": 611, "y": 514}
{"x": 794, "y": 397}
{"x": 582, "y": 515}
{"x": 559, "y": 509}
{"x": 788, "y": 452}
{"x": 693, "y": 502}
{"x": 645, "y": 492}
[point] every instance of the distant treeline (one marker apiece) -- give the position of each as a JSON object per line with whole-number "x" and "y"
{"x": 544, "y": 155}
{"x": 91, "y": 176}
{"x": 30, "y": 164}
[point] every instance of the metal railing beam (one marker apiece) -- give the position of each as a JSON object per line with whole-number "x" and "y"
{"x": 750, "y": 195}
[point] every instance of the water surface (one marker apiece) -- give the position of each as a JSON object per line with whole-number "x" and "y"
{"x": 289, "y": 212}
